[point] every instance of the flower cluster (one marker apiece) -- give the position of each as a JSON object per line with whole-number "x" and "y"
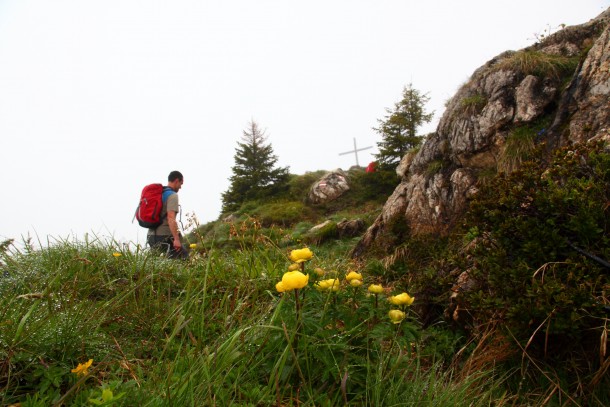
{"x": 402, "y": 299}
{"x": 295, "y": 279}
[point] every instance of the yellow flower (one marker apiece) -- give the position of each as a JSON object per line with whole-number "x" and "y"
{"x": 294, "y": 280}
{"x": 334, "y": 284}
{"x": 193, "y": 245}
{"x": 396, "y": 316}
{"x": 320, "y": 272}
{"x": 401, "y": 299}
{"x": 280, "y": 287}
{"x": 117, "y": 254}
{"x": 322, "y": 285}
{"x": 330, "y": 284}
{"x": 301, "y": 255}
{"x": 352, "y": 275}
{"x": 294, "y": 266}
{"x": 376, "y": 288}
{"x": 81, "y": 369}
{"x": 355, "y": 282}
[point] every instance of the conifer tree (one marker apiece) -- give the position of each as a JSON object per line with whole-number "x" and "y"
{"x": 398, "y": 129}
{"x": 254, "y": 176}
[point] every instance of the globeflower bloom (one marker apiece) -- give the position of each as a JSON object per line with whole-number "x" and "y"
{"x": 294, "y": 280}
{"x": 294, "y": 266}
{"x": 355, "y": 282}
{"x": 322, "y": 285}
{"x": 193, "y": 245}
{"x": 396, "y": 316}
{"x": 332, "y": 284}
{"x": 81, "y": 369}
{"x": 352, "y": 275}
{"x": 375, "y": 289}
{"x": 301, "y": 255}
{"x": 319, "y": 271}
{"x": 401, "y": 299}
{"x": 117, "y": 254}
{"x": 280, "y": 287}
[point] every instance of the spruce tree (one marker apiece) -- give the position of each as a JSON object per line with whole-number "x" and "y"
{"x": 398, "y": 129}
{"x": 254, "y": 176}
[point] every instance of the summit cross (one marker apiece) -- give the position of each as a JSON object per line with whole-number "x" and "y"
{"x": 355, "y": 151}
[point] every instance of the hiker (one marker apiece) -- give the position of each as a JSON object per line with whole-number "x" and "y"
{"x": 166, "y": 235}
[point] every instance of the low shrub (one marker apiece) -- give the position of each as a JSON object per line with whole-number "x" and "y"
{"x": 299, "y": 185}
{"x": 374, "y": 186}
{"x": 542, "y": 233}
{"x": 282, "y": 213}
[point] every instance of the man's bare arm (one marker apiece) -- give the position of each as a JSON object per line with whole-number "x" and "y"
{"x": 173, "y": 227}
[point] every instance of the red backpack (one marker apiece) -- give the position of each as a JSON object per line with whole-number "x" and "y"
{"x": 149, "y": 210}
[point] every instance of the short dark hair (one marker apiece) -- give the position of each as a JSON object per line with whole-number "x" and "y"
{"x": 175, "y": 175}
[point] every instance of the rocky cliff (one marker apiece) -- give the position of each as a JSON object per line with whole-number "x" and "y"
{"x": 555, "y": 91}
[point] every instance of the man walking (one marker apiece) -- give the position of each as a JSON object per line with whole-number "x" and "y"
{"x": 166, "y": 236}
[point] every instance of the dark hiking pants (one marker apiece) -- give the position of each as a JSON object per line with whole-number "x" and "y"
{"x": 165, "y": 244}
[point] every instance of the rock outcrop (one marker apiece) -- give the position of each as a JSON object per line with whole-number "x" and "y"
{"x": 344, "y": 228}
{"x": 511, "y": 91}
{"x": 350, "y": 228}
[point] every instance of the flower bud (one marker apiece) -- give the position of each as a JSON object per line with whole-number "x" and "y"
{"x": 396, "y": 316}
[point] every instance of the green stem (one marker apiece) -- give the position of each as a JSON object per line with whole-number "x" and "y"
{"x": 297, "y": 304}
{"x": 295, "y": 341}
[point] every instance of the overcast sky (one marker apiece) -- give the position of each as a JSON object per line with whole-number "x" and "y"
{"x": 99, "y": 98}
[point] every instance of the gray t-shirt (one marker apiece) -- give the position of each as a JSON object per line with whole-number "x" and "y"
{"x": 171, "y": 204}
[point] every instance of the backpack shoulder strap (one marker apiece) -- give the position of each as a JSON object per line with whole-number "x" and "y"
{"x": 167, "y": 191}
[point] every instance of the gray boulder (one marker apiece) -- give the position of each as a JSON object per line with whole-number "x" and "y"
{"x": 328, "y": 188}
{"x": 320, "y": 226}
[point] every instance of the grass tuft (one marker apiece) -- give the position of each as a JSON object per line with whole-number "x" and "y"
{"x": 538, "y": 63}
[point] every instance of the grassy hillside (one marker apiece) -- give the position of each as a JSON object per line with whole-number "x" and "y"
{"x": 287, "y": 219}
{"x": 96, "y": 323}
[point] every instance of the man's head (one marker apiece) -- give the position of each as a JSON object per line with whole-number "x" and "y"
{"x": 175, "y": 180}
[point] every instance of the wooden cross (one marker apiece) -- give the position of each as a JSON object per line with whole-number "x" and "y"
{"x": 355, "y": 151}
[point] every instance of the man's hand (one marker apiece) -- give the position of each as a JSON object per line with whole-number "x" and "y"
{"x": 177, "y": 245}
